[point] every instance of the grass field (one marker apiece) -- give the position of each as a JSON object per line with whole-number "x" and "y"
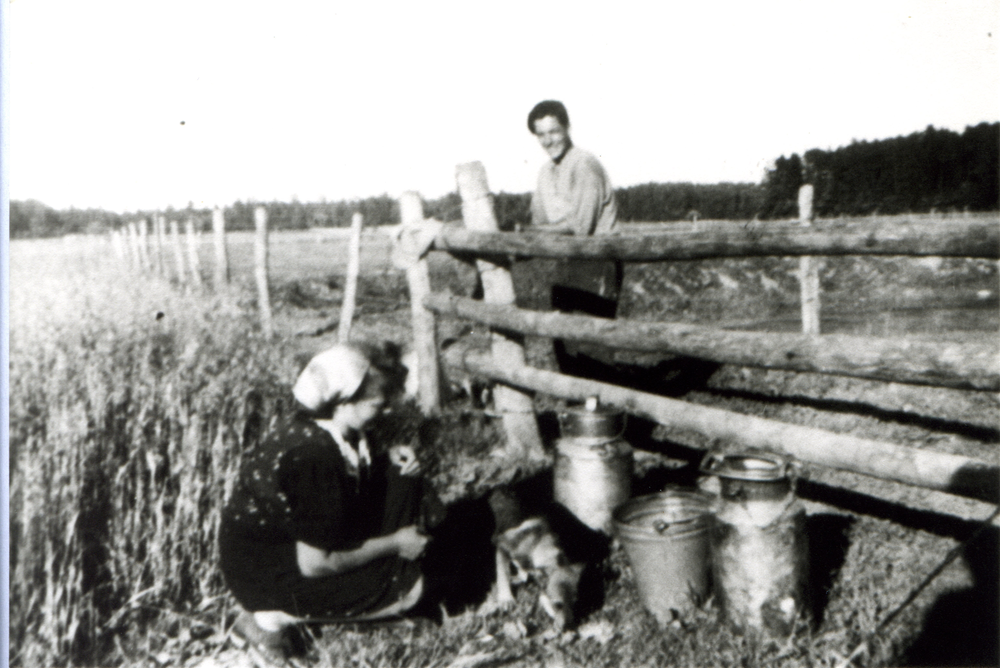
{"x": 127, "y": 400}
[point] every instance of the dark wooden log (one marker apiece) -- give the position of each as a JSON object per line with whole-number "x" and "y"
{"x": 958, "y": 238}
{"x": 920, "y": 467}
{"x": 940, "y": 363}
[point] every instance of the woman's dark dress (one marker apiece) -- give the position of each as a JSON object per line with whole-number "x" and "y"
{"x": 296, "y": 486}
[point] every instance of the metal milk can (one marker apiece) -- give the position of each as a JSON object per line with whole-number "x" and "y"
{"x": 759, "y": 545}
{"x": 593, "y": 468}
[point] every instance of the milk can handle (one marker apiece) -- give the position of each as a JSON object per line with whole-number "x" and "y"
{"x": 709, "y": 464}
{"x": 793, "y": 471}
{"x": 662, "y": 525}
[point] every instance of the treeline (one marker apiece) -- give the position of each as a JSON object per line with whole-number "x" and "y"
{"x": 923, "y": 172}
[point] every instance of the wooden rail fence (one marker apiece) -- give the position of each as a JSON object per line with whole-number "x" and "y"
{"x": 941, "y": 363}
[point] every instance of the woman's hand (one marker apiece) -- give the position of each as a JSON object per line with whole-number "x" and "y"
{"x": 405, "y": 458}
{"x": 410, "y": 542}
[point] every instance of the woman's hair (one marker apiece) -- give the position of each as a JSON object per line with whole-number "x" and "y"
{"x": 548, "y": 108}
{"x": 387, "y": 375}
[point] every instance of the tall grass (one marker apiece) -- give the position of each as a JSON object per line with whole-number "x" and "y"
{"x": 124, "y": 436}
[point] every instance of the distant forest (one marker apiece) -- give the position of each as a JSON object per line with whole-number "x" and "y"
{"x": 932, "y": 170}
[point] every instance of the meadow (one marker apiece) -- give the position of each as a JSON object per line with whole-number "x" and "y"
{"x": 128, "y": 399}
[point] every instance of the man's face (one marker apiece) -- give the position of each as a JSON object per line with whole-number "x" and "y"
{"x": 553, "y": 137}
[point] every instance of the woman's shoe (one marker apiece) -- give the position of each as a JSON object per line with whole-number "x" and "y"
{"x": 272, "y": 646}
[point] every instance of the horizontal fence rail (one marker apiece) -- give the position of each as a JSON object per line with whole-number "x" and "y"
{"x": 960, "y": 238}
{"x": 900, "y": 364}
{"x": 958, "y": 365}
{"x": 945, "y": 472}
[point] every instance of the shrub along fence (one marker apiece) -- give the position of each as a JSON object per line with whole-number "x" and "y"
{"x": 942, "y": 363}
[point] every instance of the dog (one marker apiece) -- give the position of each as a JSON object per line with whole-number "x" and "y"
{"x": 528, "y": 549}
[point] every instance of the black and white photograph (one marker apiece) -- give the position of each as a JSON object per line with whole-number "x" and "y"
{"x": 500, "y": 335}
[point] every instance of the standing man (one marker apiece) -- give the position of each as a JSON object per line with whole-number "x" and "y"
{"x": 574, "y": 196}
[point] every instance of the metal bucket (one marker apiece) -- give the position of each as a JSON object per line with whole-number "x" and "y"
{"x": 665, "y": 536}
{"x": 593, "y": 468}
{"x": 760, "y": 562}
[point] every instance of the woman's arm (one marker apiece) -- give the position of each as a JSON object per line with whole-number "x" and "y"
{"x": 314, "y": 562}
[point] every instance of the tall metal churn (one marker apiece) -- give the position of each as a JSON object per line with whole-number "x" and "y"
{"x": 759, "y": 547}
{"x": 593, "y": 469}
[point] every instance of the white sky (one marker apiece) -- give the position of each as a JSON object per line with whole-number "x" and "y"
{"x": 349, "y": 99}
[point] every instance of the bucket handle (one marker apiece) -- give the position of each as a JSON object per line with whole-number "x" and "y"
{"x": 660, "y": 526}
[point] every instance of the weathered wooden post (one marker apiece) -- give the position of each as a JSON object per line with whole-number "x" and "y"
{"x": 158, "y": 225}
{"x": 808, "y": 268}
{"x": 411, "y": 213}
{"x": 119, "y": 247}
{"x": 144, "y": 245}
{"x": 221, "y": 275}
{"x": 192, "y": 247}
{"x": 260, "y": 271}
{"x": 132, "y": 236}
{"x": 517, "y": 408}
{"x": 179, "y": 261}
{"x": 351, "y": 280}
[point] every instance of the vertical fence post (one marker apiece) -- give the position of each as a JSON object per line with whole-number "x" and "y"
{"x": 192, "y": 247}
{"x": 411, "y": 213}
{"x": 517, "y": 408}
{"x": 144, "y": 245}
{"x": 132, "y": 236}
{"x": 260, "y": 271}
{"x": 221, "y": 276}
{"x": 158, "y": 225}
{"x": 808, "y": 269}
{"x": 351, "y": 280}
{"x": 119, "y": 247}
{"x": 179, "y": 260}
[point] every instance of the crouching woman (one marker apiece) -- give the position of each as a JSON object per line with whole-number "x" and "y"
{"x": 322, "y": 525}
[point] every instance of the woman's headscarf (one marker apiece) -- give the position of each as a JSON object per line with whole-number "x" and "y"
{"x": 333, "y": 375}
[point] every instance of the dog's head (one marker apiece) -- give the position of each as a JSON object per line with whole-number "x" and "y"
{"x": 535, "y": 552}
{"x": 559, "y": 591}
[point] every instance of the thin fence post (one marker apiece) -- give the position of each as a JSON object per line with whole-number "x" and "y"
{"x": 351, "y": 280}
{"x": 179, "y": 260}
{"x": 808, "y": 269}
{"x": 118, "y": 246}
{"x": 411, "y": 213}
{"x": 221, "y": 275}
{"x": 144, "y": 245}
{"x": 132, "y": 236}
{"x": 158, "y": 225}
{"x": 260, "y": 271}
{"x": 192, "y": 247}
{"x": 517, "y": 407}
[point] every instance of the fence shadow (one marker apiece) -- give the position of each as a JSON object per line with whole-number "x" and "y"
{"x": 963, "y": 627}
{"x": 829, "y": 539}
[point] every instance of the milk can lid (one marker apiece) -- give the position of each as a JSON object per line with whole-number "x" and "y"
{"x": 757, "y": 467}
{"x": 591, "y": 419}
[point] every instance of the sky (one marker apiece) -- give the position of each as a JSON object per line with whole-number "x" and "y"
{"x": 127, "y": 105}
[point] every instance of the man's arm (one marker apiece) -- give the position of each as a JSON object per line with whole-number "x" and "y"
{"x": 588, "y": 192}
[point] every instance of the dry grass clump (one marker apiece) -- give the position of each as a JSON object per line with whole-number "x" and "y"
{"x": 126, "y": 403}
